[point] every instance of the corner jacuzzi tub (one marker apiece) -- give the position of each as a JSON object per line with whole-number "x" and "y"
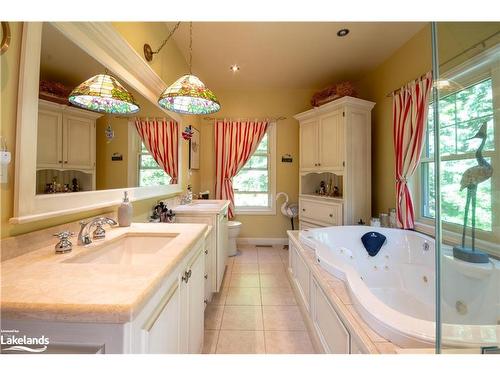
{"x": 394, "y": 291}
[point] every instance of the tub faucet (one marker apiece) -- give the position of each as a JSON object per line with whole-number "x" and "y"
{"x": 99, "y": 232}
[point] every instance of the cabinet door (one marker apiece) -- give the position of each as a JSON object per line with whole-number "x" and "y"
{"x": 332, "y": 141}
{"x": 331, "y": 331}
{"x": 209, "y": 254}
{"x": 301, "y": 276}
{"x": 308, "y": 145}
{"x": 222, "y": 238}
{"x": 79, "y": 142}
{"x": 49, "y": 152}
{"x": 160, "y": 333}
{"x": 196, "y": 305}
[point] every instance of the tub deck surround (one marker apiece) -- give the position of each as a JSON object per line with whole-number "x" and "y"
{"x": 394, "y": 291}
{"x": 366, "y": 339}
{"x": 41, "y": 285}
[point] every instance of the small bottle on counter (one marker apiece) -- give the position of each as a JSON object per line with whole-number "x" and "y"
{"x": 375, "y": 222}
{"x": 384, "y": 220}
{"x": 125, "y": 211}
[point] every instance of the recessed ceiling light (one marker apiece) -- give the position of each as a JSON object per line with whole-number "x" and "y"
{"x": 234, "y": 68}
{"x": 342, "y": 32}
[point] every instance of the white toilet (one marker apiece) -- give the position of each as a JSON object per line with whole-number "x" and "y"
{"x": 233, "y": 228}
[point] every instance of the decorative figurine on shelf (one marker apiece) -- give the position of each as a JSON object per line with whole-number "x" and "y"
{"x": 290, "y": 210}
{"x": 336, "y": 192}
{"x": 75, "y": 187}
{"x": 187, "y": 134}
{"x": 471, "y": 178}
{"x": 322, "y": 188}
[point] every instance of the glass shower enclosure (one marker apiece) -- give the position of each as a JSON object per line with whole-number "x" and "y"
{"x": 462, "y": 184}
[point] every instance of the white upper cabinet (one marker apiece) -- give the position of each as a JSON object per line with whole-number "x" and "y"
{"x": 79, "y": 141}
{"x": 50, "y": 139}
{"x": 66, "y": 137}
{"x": 308, "y": 145}
{"x": 331, "y": 141}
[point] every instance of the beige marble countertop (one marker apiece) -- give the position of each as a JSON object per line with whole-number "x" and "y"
{"x": 40, "y": 285}
{"x": 202, "y": 206}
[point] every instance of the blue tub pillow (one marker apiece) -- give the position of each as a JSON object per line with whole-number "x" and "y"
{"x": 373, "y": 242}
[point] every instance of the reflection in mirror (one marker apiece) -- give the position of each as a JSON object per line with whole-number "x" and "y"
{"x": 79, "y": 150}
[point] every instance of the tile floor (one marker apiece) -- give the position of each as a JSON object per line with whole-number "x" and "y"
{"x": 256, "y": 311}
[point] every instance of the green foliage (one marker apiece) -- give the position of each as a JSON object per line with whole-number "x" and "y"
{"x": 460, "y": 115}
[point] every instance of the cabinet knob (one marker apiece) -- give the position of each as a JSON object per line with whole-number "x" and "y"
{"x": 65, "y": 162}
{"x": 331, "y": 215}
{"x": 60, "y": 161}
{"x": 319, "y": 164}
{"x": 206, "y": 251}
{"x": 303, "y": 209}
{"x": 205, "y": 301}
{"x": 206, "y": 277}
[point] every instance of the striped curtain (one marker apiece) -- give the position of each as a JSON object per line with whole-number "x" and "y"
{"x": 235, "y": 142}
{"x": 409, "y": 111}
{"x": 161, "y": 140}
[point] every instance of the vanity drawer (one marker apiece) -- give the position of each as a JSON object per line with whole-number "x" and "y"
{"x": 329, "y": 213}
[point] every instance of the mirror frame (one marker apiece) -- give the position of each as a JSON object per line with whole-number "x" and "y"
{"x": 103, "y": 42}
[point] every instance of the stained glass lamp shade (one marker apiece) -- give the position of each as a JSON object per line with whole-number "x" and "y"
{"x": 188, "y": 95}
{"x": 103, "y": 93}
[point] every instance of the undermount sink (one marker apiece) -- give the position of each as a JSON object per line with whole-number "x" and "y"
{"x": 129, "y": 249}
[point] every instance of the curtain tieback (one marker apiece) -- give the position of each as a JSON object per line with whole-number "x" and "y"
{"x": 402, "y": 179}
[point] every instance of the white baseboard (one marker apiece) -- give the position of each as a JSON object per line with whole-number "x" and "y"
{"x": 261, "y": 241}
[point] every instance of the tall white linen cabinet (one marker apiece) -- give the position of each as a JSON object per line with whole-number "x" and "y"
{"x": 335, "y": 147}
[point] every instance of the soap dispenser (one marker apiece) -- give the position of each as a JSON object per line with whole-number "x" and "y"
{"x": 125, "y": 211}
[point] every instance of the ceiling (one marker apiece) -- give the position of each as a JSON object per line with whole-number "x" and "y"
{"x": 289, "y": 54}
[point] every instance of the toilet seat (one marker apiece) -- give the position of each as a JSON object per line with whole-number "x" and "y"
{"x": 233, "y": 224}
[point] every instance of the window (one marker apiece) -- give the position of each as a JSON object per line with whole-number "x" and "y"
{"x": 150, "y": 173}
{"x": 254, "y": 184}
{"x": 461, "y": 114}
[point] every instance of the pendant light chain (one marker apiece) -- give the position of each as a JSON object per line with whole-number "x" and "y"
{"x": 190, "y": 47}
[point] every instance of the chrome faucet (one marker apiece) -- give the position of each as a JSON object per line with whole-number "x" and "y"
{"x": 98, "y": 233}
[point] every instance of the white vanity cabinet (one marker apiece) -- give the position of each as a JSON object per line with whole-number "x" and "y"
{"x": 171, "y": 321}
{"x": 216, "y": 242}
{"x": 66, "y": 137}
{"x": 335, "y": 144}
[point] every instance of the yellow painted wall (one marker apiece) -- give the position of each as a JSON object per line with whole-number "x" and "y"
{"x": 407, "y": 63}
{"x": 111, "y": 174}
{"x": 261, "y": 104}
{"x": 169, "y": 64}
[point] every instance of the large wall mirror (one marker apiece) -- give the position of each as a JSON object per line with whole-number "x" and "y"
{"x": 71, "y": 159}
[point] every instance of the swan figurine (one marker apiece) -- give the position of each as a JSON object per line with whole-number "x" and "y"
{"x": 290, "y": 210}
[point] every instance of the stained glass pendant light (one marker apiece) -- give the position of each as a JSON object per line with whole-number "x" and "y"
{"x": 188, "y": 95}
{"x": 104, "y": 94}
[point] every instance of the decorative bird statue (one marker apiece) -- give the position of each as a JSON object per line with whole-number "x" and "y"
{"x": 290, "y": 210}
{"x": 470, "y": 179}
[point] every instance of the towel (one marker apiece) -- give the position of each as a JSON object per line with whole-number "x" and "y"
{"x": 373, "y": 241}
